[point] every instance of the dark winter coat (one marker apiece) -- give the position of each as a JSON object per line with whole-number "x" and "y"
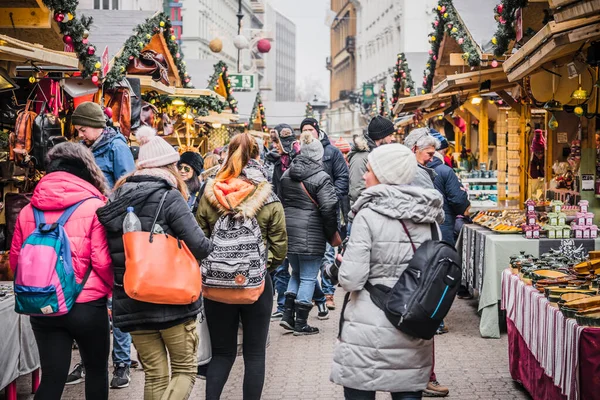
{"x": 357, "y": 160}
{"x": 335, "y": 166}
{"x": 309, "y": 226}
{"x": 456, "y": 200}
{"x": 143, "y": 193}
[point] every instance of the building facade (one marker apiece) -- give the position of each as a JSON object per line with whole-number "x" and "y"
{"x": 343, "y": 116}
{"x": 128, "y": 5}
{"x": 280, "y": 80}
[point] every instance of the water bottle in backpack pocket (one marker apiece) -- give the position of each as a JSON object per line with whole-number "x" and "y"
{"x": 45, "y": 282}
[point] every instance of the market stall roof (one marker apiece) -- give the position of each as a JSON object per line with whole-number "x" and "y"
{"x": 30, "y": 21}
{"x": 187, "y": 92}
{"x": 12, "y": 49}
{"x": 473, "y": 80}
{"x": 554, "y": 41}
{"x": 285, "y": 112}
{"x": 112, "y": 28}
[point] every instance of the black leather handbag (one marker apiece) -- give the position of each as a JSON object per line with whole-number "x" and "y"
{"x": 47, "y": 132}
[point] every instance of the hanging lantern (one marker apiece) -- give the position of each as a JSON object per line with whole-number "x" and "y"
{"x": 263, "y": 46}
{"x": 241, "y": 42}
{"x": 579, "y": 94}
{"x": 216, "y": 45}
{"x": 553, "y": 123}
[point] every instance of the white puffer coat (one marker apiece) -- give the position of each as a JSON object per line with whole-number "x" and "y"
{"x": 372, "y": 354}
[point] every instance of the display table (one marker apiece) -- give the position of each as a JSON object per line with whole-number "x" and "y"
{"x": 18, "y": 350}
{"x": 485, "y": 254}
{"x": 552, "y": 356}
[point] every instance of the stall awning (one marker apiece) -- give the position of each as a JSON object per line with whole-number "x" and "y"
{"x": 470, "y": 81}
{"x": 184, "y": 92}
{"x": 224, "y": 118}
{"x": 554, "y": 41}
{"x": 12, "y": 49}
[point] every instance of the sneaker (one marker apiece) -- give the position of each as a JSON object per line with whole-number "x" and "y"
{"x": 276, "y": 316}
{"x": 323, "y": 311}
{"x": 441, "y": 330}
{"x": 202, "y": 370}
{"x": 77, "y": 375}
{"x": 121, "y": 377}
{"x": 329, "y": 301}
{"x": 434, "y": 389}
{"x": 134, "y": 364}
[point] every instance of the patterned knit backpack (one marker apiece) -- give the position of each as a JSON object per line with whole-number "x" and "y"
{"x": 234, "y": 273}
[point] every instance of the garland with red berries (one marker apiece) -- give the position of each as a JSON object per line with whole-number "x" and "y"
{"x": 384, "y": 108}
{"x": 403, "y": 83}
{"x": 505, "y": 15}
{"x": 213, "y": 83}
{"x": 259, "y": 110}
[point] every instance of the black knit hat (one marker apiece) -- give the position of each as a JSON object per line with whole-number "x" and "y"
{"x": 380, "y": 127}
{"x": 312, "y": 122}
{"x": 194, "y": 160}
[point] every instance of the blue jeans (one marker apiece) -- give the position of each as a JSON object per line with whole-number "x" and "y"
{"x": 305, "y": 270}
{"x": 328, "y": 258}
{"x": 121, "y": 353}
{"x": 318, "y": 295}
{"x": 281, "y": 279}
{"x": 355, "y": 394}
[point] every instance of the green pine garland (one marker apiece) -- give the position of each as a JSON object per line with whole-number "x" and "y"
{"x": 403, "y": 83}
{"x": 77, "y": 29}
{"x": 447, "y": 21}
{"x": 133, "y": 47}
{"x": 259, "y": 109}
{"x": 199, "y": 105}
{"x": 221, "y": 68}
{"x": 505, "y": 15}
{"x": 383, "y": 101}
{"x": 309, "y": 112}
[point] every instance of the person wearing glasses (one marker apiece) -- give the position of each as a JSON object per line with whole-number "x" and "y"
{"x": 115, "y": 159}
{"x": 191, "y": 166}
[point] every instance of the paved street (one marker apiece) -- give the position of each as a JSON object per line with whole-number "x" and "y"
{"x": 298, "y": 368}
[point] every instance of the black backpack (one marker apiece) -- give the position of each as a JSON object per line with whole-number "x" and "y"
{"x": 47, "y": 133}
{"x": 424, "y": 293}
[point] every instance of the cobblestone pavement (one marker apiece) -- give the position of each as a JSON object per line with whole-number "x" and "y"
{"x": 298, "y": 367}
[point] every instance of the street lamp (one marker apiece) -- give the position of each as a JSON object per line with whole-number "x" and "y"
{"x": 240, "y": 15}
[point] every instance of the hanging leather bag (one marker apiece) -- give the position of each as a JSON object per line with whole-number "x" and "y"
{"x": 119, "y": 100}
{"x": 47, "y": 132}
{"x": 20, "y": 141}
{"x": 159, "y": 268}
{"x": 150, "y": 63}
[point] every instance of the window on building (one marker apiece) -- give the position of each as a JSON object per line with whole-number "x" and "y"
{"x": 106, "y": 4}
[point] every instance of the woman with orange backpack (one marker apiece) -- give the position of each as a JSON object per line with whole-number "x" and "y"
{"x": 243, "y": 218}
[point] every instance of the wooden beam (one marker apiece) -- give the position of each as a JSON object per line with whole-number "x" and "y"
{"x": 508, "y": 99}
{"x": 525, "y": 116}
{"x": 577, "y": 10}
{"x": 472, "y": 109}
{"x": 185, "y": 92}
{"x": 15, "y": 18}
{"x": 147, "y": 84}
{"x": 41, "y": 55}
{"x": 457, "y": 60}
{"x": 468, "y": 130}
{"x": 483, "y": 132}
{"x": 560, "y": 3}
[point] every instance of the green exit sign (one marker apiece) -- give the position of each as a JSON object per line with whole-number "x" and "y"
{"x": 242, "y": 82}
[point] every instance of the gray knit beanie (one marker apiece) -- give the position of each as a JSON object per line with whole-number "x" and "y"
{"x": 311, "y": 147}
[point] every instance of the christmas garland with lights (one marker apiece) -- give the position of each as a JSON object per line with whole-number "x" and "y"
{"x": 309, "y": 112}
{"x": 259, "y": 110}
{"x": 383, "y": 102}
{"x": 213, "y": 84}
{"x": 448, "y": 21}
{"x": 403, "y": 83}
{"x": 133, "y": 47}
{"x": 75, "y": 33}
{"x": 198, "y": 105}
{"x": 505, "y": 14}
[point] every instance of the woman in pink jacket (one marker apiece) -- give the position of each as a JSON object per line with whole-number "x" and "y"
{"x": 73, "y": 176}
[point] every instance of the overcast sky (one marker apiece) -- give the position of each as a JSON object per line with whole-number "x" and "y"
{"x": 312, "y": 38}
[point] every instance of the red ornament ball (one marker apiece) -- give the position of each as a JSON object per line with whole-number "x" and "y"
{"x": 59, "y": 17}
{"x": 85, "y": 41}
{"x": 177, "y": 55}
{"x": 263, "y": 46}
{"x": 68, "y": 39}
{"x": 404, "y": 74}
{"x": 91, "y": 50}
{"x": 436, "y": 22}
{"x": 130, "y": 58}
{"x": 109, "y": 112}
{"x": 95, "y": 80}
{"x": 494, "y": 64}
{"x": 443, "y": 10}
{"x": 500, "y": 8}
{"x": 442, "y": 105}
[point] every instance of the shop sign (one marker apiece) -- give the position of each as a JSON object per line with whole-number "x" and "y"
{"x": 105, "y": 62}
{"x": 242, "y": 82}
{"x": 368, "y": 93}
{"x": 562, "y": 137}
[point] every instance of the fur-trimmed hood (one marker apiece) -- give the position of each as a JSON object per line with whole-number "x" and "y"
{"x": 238, "y": 195}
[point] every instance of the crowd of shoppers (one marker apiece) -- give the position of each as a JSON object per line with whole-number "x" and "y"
{"x": 303, "y": 195}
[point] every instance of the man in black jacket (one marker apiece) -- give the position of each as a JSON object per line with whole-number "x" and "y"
{"x": 335, "y": 165}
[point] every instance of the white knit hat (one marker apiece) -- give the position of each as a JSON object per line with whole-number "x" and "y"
{"x": 154, "y": 150}
{"x": 393, "y": 164}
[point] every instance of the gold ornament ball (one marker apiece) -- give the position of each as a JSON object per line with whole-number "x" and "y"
{"x": 432, "y": 39}
{"x": 148, "y": 36}
{"x": 141, "y": 44}
{"x": 578, "y": 111}
{"x": 465, "y": 56}
{"x": 173, "y": 37}
{"x": 32, "y": 79}
{"x": 494, "y": 40}
{"x": 122, "y": 69}
{"x": 70, "y": 16}
{"x": 439, "y": 8}
{"x": 98, "y": 65}
{"x": 162, "y": 24}
{"x": 553, "y": 125}
{"x": 454, "y": 30}
{"x": 445, "y": 15}
{"x": 85, "y": 34}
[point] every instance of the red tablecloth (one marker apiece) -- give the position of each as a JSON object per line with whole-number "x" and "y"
{"x": 527, "y": 369}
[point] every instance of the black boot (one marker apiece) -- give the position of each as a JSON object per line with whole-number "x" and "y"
{"x": 301, "y": 328}
{"x": 287, "y": 320}
{"x": 323, "y": 311}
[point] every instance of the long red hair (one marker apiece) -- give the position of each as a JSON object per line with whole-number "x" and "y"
{"x": 241, "y": 148}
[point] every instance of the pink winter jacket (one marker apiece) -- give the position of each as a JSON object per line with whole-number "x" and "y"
{"x": 53, "y": 194}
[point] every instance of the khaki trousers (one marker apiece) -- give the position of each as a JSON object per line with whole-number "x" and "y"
{"x": 156, "y": 348}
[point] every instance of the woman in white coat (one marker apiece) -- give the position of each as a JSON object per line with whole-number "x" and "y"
{"x": 371, "y": 354}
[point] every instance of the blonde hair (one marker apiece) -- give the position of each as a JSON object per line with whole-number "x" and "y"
{"x": 211, "y": 160}
{"x": 241, "y": 148}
